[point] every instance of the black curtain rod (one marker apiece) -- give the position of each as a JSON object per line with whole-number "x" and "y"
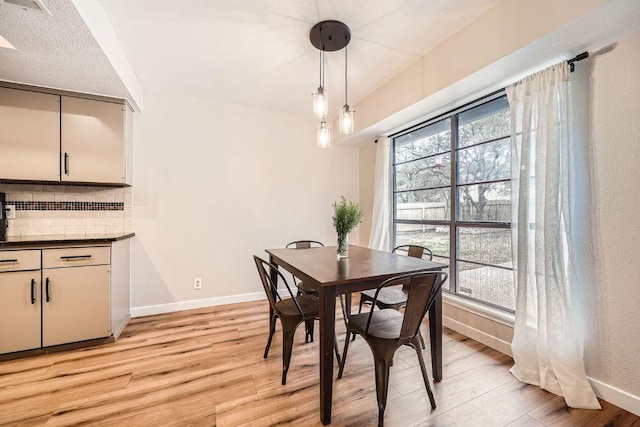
{"x": 446, "y": 113}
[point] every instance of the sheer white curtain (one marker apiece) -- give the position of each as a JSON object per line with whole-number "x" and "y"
{"x": 548, "y": 342}
{"x": 380, "y": 237}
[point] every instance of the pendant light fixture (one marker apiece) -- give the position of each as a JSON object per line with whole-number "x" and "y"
{"x": 330, "y": 36}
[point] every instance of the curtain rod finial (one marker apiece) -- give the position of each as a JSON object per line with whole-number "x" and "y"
{"x": 580, "y": 57}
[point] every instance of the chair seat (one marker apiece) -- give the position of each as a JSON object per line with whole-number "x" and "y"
{"x": 308, "y": 304}
{"x": 390, "y": 297}
{"x": 385, "y": 324}
{"x": 306, "y": 289}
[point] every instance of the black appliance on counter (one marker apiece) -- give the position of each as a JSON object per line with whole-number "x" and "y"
{"x": 4, "y": 223}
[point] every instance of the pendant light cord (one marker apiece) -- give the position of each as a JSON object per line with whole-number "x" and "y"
{"x": 323, "y": 65}
{"x": 321, "y": 60}
{"x": 345, "y": 76}
{"x": 320, "y": 66}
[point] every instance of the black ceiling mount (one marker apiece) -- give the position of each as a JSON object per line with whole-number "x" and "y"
{"x": 330, "y": 36}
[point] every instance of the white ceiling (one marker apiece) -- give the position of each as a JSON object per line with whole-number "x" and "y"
{"x": 251, "y": 52}
{"x": 56, "y": 51}
{"x": 257, "y": 52}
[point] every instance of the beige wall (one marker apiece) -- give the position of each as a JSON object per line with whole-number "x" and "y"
{"x": 367, "y": 156}
{"x": 216, "y": 183}
{"x": 613, "y": 303}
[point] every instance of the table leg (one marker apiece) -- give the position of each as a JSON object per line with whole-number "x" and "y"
{"x": 327, "y": 332}
{"x": 435, "y": 335}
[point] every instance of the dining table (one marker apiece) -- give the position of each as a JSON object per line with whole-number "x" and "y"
{"x": 363, "y": 269}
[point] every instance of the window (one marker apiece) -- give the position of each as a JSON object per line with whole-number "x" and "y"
{"x": 452, "y": 194}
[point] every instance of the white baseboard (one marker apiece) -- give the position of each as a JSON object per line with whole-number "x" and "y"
{"x": 611, "y": 394}
{"x": 199, "y": 303}
{"x": 478, "y": 335}
{"x": 621, "y": 398}
{"x": 121, "y": 326}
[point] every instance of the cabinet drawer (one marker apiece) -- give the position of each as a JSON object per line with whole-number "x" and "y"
{"x": 75, "y": 257}
{"x": 19, "y": 260}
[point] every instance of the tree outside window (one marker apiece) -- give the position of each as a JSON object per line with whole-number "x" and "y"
{"x": 452, "y": 194}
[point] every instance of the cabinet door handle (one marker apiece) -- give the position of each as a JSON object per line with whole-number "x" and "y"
{"x": 72, "y": 257}
{"x": 8, "y": 260}
{"x": 66, "y": 163}
{"x": 47, "y": 289}
{"x": 33, "y": 291}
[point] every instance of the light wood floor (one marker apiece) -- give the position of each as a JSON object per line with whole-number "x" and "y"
{"x": 205, "y": 367}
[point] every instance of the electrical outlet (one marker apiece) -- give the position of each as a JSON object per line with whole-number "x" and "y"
{"x": 11, "y": 211}
{"x": 197, "y": 283}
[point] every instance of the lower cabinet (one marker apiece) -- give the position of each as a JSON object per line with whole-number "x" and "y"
{"x": 20, "y": 313}
{"x": 62, "y": 296}
{"x": 75, "y": 305}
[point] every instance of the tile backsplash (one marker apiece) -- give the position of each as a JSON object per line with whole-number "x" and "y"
{"x": 68, "y": 209}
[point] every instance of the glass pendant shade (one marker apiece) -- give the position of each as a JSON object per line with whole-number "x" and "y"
{"x": 346, "y": 120}
{"x": 324, "y": 135}
{"x": 320, "y": 103}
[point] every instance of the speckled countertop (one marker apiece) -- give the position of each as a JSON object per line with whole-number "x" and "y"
{"x": 63, "y": 239}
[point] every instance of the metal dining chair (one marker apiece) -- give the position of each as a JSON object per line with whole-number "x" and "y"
{"x": 291, "y": 311}
{"x": 396, "y": 297}
{"x": 304, "y": 288}
{"x": 388, "y": 329}
{"x": 304, "y": 244}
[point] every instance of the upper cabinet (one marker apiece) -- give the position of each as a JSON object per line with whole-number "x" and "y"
{"x": 55, "y": 137}
{"x": 29, "y": 135}
{"x": 92, "y": 141}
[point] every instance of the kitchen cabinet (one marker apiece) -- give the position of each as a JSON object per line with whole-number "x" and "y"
{"x": 63, "y": 294}
{"x": 75, "y": 303}
{"x": 92, "y": 141}
{"x": 63, "y": 137}
{"x": 20, "y": 299}
{"x": 29, "y": 135}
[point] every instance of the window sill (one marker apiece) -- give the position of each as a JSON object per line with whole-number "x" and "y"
{"x": 478, "y": 309}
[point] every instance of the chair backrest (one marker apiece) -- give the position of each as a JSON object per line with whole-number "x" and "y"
{"x": 304, "y": 244}
{"x": 415, "y": 251}
{"x": 423, "y": 289}
{"x": 270, "y": 287}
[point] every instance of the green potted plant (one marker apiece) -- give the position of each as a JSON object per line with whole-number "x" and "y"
{"x": 346, "y": 216}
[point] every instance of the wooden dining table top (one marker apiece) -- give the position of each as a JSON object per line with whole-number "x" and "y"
{"x": 322, "y": 266}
